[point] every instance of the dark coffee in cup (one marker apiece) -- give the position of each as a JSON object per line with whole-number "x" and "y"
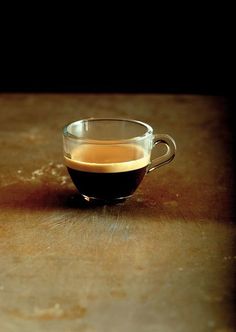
{"x": 106, "y": 171}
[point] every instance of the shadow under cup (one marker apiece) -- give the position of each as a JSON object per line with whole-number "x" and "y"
{"x": 108, "y": 158}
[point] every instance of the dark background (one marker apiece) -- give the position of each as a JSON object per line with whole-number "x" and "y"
{"x": 198, "y": 70}
{"x": 130, "y": 50}
{"x": 163, "y": 77}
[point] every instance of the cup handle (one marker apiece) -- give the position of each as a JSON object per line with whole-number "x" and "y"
{"x": 168, "y": 156}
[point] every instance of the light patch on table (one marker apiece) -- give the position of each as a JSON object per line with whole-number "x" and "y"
{"x": 52, "y": 170}
{"x": 50, "y": 313}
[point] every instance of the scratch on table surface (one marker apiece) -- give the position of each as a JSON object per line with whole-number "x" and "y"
{"x": 17, "y": 267}
{"x": 32, "y": 257}
{"x": 67, "y": 221}
{"x": 112, "y": 229}
{"x": 118, "y": 225}
{"x": 57, "y": 222}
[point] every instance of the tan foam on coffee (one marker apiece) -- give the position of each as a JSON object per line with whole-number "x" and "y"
{"x": 107, "y": 159}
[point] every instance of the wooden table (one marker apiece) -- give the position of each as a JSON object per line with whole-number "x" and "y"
{"x": 161, "y": 261}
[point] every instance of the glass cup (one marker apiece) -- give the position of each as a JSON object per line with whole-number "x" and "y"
{"x": 107, "y": 158}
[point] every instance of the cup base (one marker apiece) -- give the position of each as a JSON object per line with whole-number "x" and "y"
{"x": 99, "y": 201}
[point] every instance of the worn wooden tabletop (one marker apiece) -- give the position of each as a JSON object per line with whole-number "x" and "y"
{"x": 161, "y": 261}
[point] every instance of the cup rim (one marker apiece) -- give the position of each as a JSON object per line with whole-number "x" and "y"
{"x": 149, "y": 131}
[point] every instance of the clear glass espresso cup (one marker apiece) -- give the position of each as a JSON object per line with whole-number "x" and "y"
{"x": 107, "y": 158}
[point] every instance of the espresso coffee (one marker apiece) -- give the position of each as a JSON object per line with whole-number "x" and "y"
{"x": 105, "y": 171}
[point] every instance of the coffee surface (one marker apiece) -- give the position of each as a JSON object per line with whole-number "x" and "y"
{"x": 104, "y": 158}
